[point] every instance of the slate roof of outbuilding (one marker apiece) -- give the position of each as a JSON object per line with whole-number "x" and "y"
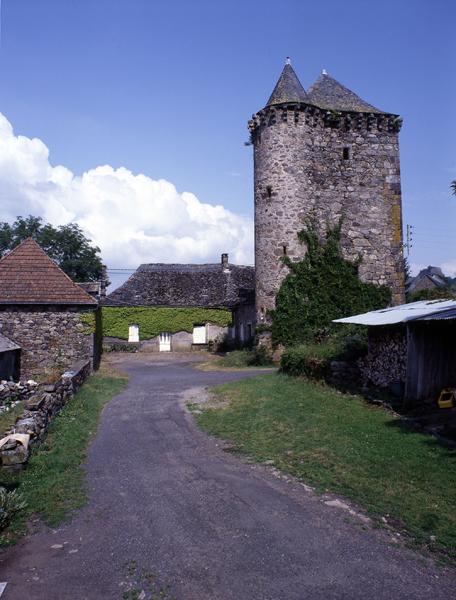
{"x": 288, "y": 88}
{"x": 328, "y": 93}
{"x": 29, "y": 276}
{"x": 6, "y": 344}
{"x": 185, "y": 285}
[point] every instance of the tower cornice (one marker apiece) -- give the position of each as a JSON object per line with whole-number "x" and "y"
{"x": 316, "y": 116}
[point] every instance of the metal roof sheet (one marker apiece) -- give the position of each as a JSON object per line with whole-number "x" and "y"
{"x": 424, "y": 309}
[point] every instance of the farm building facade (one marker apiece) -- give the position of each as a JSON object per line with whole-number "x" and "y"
{"x": 182, "y": 306}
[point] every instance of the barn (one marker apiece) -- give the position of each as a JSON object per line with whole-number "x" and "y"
{"x": 45, "y": 313}
{"x": 180, "y": 307}
{"x": 412, "y": 349}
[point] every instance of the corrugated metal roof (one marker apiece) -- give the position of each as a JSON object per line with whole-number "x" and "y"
{"x": 424, "y": 309}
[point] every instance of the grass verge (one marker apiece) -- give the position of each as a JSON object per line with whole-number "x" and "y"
{"x": 340, "y": 444}
{"x": 238, "y": 359}
{"x": 53, "y": 484}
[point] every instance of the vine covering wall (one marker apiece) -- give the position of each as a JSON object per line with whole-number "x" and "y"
{"x": 153, "y": 320}
{"x": 321, "y": 287}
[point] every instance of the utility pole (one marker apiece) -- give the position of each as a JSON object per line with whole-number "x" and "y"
{"x": 409, "y": 238}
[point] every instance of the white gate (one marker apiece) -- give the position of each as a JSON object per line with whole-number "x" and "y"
{"x": 133, "y": 333}
{"x": 199, "y": 334}
{"x": 165, "y": 342}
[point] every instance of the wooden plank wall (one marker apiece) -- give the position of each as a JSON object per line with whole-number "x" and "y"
{"x": 431, "y": 360}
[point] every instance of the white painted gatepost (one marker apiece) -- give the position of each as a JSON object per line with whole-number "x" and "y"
{"x": 164, "y": 342}
{"x": 199, "y": 334}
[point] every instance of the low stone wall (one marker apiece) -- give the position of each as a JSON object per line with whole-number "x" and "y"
{"x": 42, "y": 403}
{"x": 12, "y": 392}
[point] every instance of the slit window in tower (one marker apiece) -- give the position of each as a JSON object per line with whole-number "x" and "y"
{"x": 284, "y": 249}
{"x": 346, "y": 153}
{"x": 269, "y": 190}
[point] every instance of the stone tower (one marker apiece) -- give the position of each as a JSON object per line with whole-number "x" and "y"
{"x": 325, "y": 153}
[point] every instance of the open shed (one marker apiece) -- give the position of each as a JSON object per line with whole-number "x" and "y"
{"x": 411, "y": 347}
{"x": 10, "y": 356}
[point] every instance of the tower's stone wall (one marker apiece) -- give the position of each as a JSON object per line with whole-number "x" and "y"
{"x": 302, "y": 169}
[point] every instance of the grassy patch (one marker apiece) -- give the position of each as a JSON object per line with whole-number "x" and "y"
{"x": 53, "y": 484}
{"x": 239, "y": 359}
{"x": 7, "y": 419}
{"x": 340, "y": 444}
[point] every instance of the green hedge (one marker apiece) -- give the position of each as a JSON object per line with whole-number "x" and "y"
{"x": 153, "y": 320}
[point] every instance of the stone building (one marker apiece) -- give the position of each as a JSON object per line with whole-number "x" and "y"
{"x": 51, "y": 318}
{"x": 430, "y": 278}
{"x": 325, "y": 154}
{"x": 215, "y": 293}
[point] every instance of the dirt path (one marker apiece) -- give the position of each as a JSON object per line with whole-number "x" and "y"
{"x": 170, "y": 511}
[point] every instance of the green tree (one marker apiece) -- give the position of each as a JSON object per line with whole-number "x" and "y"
{"x": 321, "y": 287}
{"x": 66, "y": 244}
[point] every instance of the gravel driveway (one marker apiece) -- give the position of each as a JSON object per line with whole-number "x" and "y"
{"x": 171, "y": 512}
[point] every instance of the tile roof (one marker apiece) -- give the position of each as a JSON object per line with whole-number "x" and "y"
{"x": 328, "y": 93}
{"x": 288, "y": 88}
{"x": 180, "y": 285}
{"x": 29, "y": 276}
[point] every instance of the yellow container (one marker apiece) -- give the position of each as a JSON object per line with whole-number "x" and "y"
{"x": 446, "y": 398}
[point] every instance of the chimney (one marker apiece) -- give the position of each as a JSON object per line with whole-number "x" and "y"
{"x": 224, "y": 260}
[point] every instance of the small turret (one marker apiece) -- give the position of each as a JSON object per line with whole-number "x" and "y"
{"x": 288, "y": 88}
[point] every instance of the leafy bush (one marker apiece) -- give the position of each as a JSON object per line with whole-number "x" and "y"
{"x": 152, "y": 320}
{"x": 321, "y": 287}
{"x": 313, "y": 360}
{"x": 11, "y": 502}
{"x": 438, "y": 293}
{"x": 120, "y": 347}
{"x": 258, "y": 357}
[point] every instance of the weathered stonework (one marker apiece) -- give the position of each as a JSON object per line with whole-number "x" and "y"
{"x": 52, "y": 338}
{"x": 328, "y": 165}
{"x": 43, "y": 403}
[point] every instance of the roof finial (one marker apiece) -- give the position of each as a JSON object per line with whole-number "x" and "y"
{"x": 288, "y": 61}
{"x": 324, "y": 72}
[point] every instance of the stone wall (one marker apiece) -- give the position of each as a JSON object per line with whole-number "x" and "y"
{"x": 386, "y": 361}
{"x": 42, "y": 403}
{"x": 52, "y": 338}
{"x": 300, "y": 172}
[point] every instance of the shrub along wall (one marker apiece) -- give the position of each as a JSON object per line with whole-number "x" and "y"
{"x": 153, "y": 320}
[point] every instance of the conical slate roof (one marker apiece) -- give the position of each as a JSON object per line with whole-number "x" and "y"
{"x": 288, "y": 88}
{"x": 29, "y": 276}
{"x": 328, "y": 93}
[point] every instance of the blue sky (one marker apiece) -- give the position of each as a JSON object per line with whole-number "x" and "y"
{"x": 166, "y": 89}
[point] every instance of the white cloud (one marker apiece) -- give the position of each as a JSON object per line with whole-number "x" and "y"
{"x": 449, "y": 268}
{"x": 132, "y": 218}
{"x": 415, "y": 268}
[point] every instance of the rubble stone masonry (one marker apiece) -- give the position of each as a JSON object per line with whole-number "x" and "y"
{"x": 52, "y": 338}
{"x": 310, "y": 162}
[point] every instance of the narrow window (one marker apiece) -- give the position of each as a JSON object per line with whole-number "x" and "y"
{"x": 269, "y": 191}
{"x": 346, "y": 153}
{"x": 284, "y": 249}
